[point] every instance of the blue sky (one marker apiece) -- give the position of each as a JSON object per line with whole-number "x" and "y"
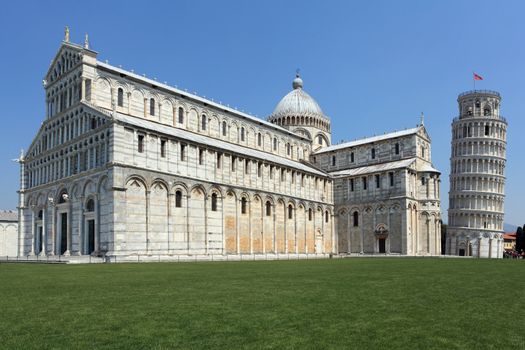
{"x": 373, "y": 66}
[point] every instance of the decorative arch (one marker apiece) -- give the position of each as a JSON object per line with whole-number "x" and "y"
{"x": 198, "y": 187}
{"x": 137, "y": 178}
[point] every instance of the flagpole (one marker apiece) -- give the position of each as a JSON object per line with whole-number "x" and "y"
{"x": 474, "y": 80}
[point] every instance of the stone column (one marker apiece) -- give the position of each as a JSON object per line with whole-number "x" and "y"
{"x": 83, "y": 89}
{"x": 295, "y": 229}
{"x": 274, "y": 243}
{"x": 334, "y": 234}
{"x": 206, "y": 223}
{"x": 348, "y": 233}
{"x": 387, "y": 241}
{"x": 81, "y": 225}
{"x": 263, "y": 207}
{"x": 286, "y": 229}
{"x": 250, "y": 225}
{"x": 53, "y": 229}
{"x": 361, "y": 235}
{"x": 238, "y": 209}
{"x": 223, "y": 236}
{"x": 97, "y": 224}
{"x": 188, "y": 196}
{"x": 33, "y": 236}
{"x": 305, "y": 230}
{"x": 43, "y": 251}
{"x": 147, "y": 219}
{"x": 68, "y": 231}
{"x": 170, "y": 213}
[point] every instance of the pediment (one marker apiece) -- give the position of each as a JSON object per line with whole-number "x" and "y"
{"x": 423, "y": 132}
{"x": 82, "y": 109}
{"x": 68, "y": 57}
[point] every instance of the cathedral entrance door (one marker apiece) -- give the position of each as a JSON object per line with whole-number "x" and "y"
{"x": 63, "y": 233}
{"x": 382, "y": 248}
{"x": 90, "y": 236}
{"x": 462, "y": 252}
{"x": 39, "y": 240}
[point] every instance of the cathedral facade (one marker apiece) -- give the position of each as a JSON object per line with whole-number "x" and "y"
{"x": 123, "y": 165}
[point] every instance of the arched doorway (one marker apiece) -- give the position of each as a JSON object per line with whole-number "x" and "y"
{"x": 39, "y": 239}
{"x": 381, "y": 233}
{"x": 382, "y": 245}
{"x": 63, "y": 233}
{"x": 89, "y": 227}
{"x": 63, "y": 224}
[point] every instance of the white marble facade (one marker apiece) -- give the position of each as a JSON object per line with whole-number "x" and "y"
{"x": 125, "y": 165}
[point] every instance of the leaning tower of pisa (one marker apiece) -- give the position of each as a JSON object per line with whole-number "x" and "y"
{"x": 477, "y": 180}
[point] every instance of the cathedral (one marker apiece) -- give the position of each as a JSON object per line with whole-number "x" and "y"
{"x": 125, "y": 166}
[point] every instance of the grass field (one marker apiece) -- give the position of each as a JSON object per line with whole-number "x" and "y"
{"x": 347, "y": 303}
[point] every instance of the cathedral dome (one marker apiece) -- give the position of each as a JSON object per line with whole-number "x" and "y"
{"x": 297, "y": 103}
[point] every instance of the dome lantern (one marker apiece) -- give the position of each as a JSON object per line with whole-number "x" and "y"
{"x": 297, "y": 82}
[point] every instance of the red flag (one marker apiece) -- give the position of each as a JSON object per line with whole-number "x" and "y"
{"x": 477, "y": 77}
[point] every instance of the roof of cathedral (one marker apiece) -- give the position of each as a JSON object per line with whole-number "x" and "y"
{"x": 369, "y": 140}
{"x": 398, "y": 164}
{"x": 428, "y": 168}
{"x": 227, "y": 146}
{"x": 375, "y": 168}
{"x": 297, "y": 103}
{"x": 8, "y": 215}
{"x": 198, "y": 98}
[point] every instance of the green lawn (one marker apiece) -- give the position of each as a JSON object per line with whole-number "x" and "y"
{"x": 344, "y": 303}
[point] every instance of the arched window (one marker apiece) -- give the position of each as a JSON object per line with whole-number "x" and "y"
{"x": 203, "y": 122}
{"x": 268, "y": 208}
{"x": 224, "y": 128}
{"x": 275, "y": 143}
{"x": 310, "y": 214}
{"x": 478, "y": 104}
{"x": 397, "y": 148}
{"x": 214, "y": 202}
{"x": 290, "y": 211}
{"x": 40, "y": 214}
{"x": 486, "y": 111}
{"x": 90, "y": 205}
{"x": 242, "y": 133}
{"x": 326, "y": 216}
{"x": 373, "y": 153}
{"x": 356, "y": 218}
{"x": 288, "y": 149}
{"x": 152, "y": 106}
{"x": 259, "y": 139}
{"x": 181, "y": 115}
{"x": 120, "y": 97}
{"x": 178, "y": 199}
{"x": 243, "y": 205}
{"x": 320, "y": 141}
